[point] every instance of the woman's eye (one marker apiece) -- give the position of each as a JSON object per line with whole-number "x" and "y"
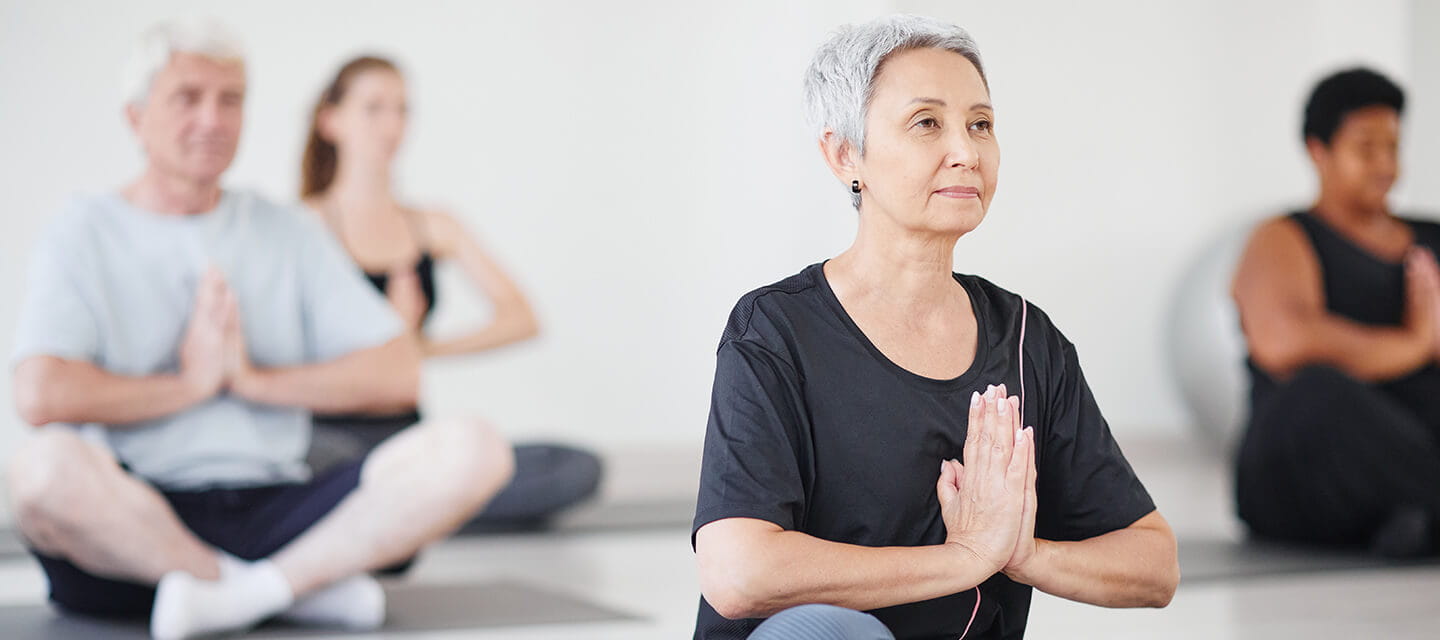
{"x": 927, "y": 123}
{"x": 981, "y": 125}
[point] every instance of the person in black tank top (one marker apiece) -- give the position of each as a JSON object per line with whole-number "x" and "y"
{"x": 365, "y": 430}
{"x": 357, "y": 125}
{"x": 1340, "y": 305}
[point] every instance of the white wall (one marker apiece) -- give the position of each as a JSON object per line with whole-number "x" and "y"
{"x": 1422, "y": 146}
{"x": 1133, "y": 134}
{"x": 639, "y": 165}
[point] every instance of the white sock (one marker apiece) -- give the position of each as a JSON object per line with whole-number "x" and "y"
{"x": 246, "y": 594}
{"x": 356, "y": 603}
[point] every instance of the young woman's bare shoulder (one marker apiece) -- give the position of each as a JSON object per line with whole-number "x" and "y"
{"x": 443, "y": 227}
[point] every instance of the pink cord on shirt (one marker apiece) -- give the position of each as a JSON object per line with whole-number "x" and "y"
{"x": 976, "y": 610}
{"x": 1020, "y": 355}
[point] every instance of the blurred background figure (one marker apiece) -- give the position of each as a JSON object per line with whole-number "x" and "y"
{"x": 192, "y": 329}
{"x": 357, "y": 128}
{"x": 1339, "y": 304}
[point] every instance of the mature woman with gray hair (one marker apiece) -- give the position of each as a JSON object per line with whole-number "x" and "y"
{"x": 839, "y": 390}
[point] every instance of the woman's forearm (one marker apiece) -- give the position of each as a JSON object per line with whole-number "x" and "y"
{"x": 1131, "y": 567}
{"x": 760, "y": 573}
{"x": 507, "y": 329}
{"x": 1364, "y": 352}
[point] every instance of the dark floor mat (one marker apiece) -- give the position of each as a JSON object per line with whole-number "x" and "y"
{"x": 1219, "y": 560}
{"x": 411, "y": 608}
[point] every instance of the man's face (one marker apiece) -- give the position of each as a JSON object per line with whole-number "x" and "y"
{"x": 189, "y": 126}
{"x": 1363, "y": 158}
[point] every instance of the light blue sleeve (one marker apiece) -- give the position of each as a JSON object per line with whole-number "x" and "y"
{"x": 59, "y": 313}
{"x": 343, "y": 312}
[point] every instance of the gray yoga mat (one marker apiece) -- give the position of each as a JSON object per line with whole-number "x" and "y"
{"x": 1221, "y": 560}
{"x": 411, "y": 608}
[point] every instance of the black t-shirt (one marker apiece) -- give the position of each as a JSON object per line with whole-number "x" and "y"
{"x": 815, "y": 430}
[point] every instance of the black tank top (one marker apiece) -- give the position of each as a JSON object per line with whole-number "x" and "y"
{"x": 425, "y": 271}
{"x": 1358, "y": 284}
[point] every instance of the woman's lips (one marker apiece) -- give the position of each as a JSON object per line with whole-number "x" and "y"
{"x": 959, "y": 192}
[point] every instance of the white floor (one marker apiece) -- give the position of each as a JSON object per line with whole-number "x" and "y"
{"x": 650, "y": 573}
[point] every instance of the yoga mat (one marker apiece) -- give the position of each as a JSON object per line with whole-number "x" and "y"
{"x": 411, "y": 608}
{"x": 1222, "y": 560}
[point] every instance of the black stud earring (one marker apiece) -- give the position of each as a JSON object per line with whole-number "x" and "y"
{"x": 854, "y": 186}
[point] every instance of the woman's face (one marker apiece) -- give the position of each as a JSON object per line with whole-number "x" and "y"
{"x": 1363, "y": 159}
{"x": 369, "y": 121}
{"x": 931, "y": 160}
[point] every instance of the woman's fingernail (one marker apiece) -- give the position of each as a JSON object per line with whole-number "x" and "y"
{"x": 1004, "y": 407}
{"x": 974, "y": 399}
{"x": 1019, "y": 435}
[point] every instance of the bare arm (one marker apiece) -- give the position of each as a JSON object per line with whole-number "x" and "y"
{"x": 383, "y": 378}
{"x": 1280, "y": 296}
{"x": 1131, "y": 567}
{"x": 50, "y": 389}
{"x": 513, "y": 320}
{"x": 752, "y": 568}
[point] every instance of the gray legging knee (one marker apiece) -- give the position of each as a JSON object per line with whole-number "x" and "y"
{"x": 821, "y": 622}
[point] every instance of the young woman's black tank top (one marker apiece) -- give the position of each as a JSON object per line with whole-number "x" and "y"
{"x": 425, "y": 272}
{"x": 1358, "y": 284}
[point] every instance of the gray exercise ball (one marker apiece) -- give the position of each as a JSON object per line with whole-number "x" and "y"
{"x": 1206, "y": 347}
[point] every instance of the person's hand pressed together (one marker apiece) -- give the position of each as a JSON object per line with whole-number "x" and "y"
{"x": 983, "y": 501}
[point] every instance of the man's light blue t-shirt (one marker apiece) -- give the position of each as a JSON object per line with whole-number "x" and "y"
{"x": 115, "y": 285}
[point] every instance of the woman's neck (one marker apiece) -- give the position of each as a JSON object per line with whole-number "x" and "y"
{"x": 909, "y": 270}
{"x": 1346, "y": 213}
{"x": 361, "y": 190}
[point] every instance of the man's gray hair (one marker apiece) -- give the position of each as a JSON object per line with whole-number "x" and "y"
{"x": 841, "y": 78}
{"x": 152, "y": 51}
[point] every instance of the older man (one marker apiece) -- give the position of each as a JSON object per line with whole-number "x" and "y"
{"x": 192, "y": 329}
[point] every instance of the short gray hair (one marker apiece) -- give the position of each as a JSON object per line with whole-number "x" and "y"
{"x": 153, "y": 50}
{"x": 841, "y": 79}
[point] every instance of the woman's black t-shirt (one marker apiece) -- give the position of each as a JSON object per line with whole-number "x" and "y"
{"x": 812, "y": 428}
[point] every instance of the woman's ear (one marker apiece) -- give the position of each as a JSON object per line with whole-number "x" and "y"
{"x": 840, "y": 156}
{"x": 1317, "y": 151}
{"x": 325, "y": 123}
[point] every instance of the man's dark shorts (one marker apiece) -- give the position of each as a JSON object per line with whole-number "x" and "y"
{"x": 250, "y": 523}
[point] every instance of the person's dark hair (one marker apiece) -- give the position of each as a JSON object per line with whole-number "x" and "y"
{"x": 1343, "y": 92}
{"x": 317, "y": 166}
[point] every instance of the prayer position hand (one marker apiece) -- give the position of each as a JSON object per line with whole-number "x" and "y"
{"x": 1025, "y": 545}
{"x": 1422, "y": 296}
{"x": 237, "y": 356}
{"x": 202, "y": 350}
{"x": 982, "y": 501}
{"x": 403, "y": 290}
